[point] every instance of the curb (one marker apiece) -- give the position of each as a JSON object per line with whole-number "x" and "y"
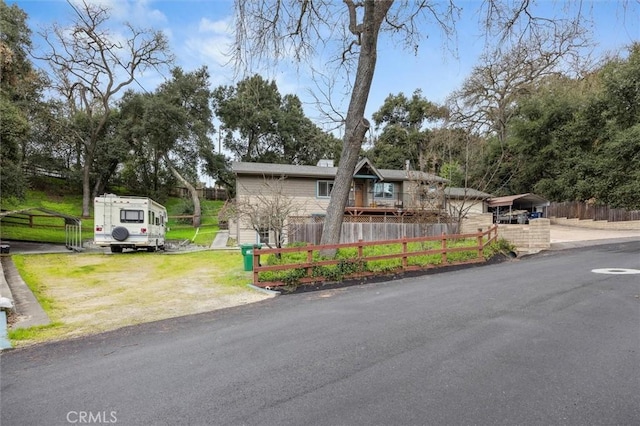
{"x": 4, "y": 340}
{"x": 5, "y": 293}
{"x": 25, "y": 303}
{"x": 264, "y": 290}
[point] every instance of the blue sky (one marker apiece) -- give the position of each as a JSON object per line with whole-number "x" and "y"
{"x": 200, "y": 31}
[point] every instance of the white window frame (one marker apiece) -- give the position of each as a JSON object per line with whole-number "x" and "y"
{"x": 384, "y": 186}
{"x": 329, "y": 187}
{"x": 262, "y": 233}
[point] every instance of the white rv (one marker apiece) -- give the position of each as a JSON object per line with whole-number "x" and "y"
{"x": 129, "y": 222}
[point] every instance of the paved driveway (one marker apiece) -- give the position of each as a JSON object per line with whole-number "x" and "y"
{"x": 573, "y": 236}
{"x": 538, "y": 340}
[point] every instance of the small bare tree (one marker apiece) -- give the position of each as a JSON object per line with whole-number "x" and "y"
{"x": 427, "y": 204}
{"x": 268, "y": 208}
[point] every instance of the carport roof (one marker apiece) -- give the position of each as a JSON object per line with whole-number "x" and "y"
{"x": 509, "y": 200}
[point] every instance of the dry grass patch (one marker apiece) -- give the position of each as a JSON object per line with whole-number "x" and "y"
{"x": 91, "y": 293}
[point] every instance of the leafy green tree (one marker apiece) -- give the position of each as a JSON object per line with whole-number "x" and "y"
{"x": 404, "y": 136}
{"x": 20, "y": 93}
{"x": 577, "y": 139}
{"x": 260, "y": 125}
{"x": 171, "y": 129}
{"x": 618, "y": 147}
{"x": 454, "y": 173}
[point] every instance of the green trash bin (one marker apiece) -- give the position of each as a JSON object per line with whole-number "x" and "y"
{"x": 248, "y": 260}
{"x": 244, "y": 248}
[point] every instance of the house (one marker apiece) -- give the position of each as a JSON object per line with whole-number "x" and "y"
{"x": 304, "y": 193}
{"x": 462, "y": 202}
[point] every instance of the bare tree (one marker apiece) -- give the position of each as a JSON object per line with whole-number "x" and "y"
{"x": 488, "y": 98}
{"x": 293, "y": 29}
{"x": 91, "y": 67}
{"x": 427, "y": 203}
{"x": 268, "y": 209}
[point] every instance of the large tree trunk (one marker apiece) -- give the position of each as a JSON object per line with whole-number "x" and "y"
{"x": 356, "y": 125}
{"x": 197, "y": 211}
{"x": 86, "y": 184}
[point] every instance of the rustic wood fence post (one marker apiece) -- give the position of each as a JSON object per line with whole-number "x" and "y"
{"x": 405, "y": 263}
{"x": 444, "y": 248}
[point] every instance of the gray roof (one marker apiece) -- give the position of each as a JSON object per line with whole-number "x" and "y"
{"x": 468, "y": 193}
{"x": 269, "y": 169}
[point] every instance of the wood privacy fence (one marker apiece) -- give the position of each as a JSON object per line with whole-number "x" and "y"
{"x": 357, "y": 231}
{"x": 583, "y": 210}
{"x": 412, "y": 254}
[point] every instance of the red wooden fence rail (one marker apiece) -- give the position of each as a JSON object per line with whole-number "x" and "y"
{"x": 482, "y": 238}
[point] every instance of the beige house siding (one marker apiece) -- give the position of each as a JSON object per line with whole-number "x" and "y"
{"x": 301, "y": 190}
{"x": 469, "y": 207}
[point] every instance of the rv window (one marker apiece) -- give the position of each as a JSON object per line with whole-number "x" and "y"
{"x": 131, "y": 216}
{"x": 151, "y": 218}
{"x": 157, "y": 221}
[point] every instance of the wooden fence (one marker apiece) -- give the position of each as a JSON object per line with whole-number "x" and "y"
{"x": 311, "y": 271}
{"x": 583, "y": 210}
{"x": 357, "y": 231}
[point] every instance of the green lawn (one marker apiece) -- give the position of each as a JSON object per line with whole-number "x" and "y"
{"x": 51, "y": 229}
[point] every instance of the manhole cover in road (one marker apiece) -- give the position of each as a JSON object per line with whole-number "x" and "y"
{"x": 616, "y": 271}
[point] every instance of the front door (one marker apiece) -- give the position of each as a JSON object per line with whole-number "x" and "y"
{"x": 359, "y": 195}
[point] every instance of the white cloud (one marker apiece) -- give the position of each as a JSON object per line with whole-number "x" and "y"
{"x": 217, "y": 27}
{"x": 210, "y": 49}
{"x": 141, "y": 13}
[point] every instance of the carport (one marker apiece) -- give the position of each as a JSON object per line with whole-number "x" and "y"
{"x": 521, "y": 206}
{"x": 72, "y": 224}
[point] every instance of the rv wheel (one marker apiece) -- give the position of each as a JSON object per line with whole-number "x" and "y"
{"x": 120, "y": 233}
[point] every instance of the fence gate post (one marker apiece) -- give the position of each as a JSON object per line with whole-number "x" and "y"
{"x": 444, "y": 248}
{"x": 480, "y": 246}
{"x": 405, "y": 263}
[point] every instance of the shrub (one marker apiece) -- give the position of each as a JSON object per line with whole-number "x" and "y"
{"x": 500, "y": 246}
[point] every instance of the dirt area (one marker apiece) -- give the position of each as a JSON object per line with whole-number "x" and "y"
{"x": 92, "y": 293}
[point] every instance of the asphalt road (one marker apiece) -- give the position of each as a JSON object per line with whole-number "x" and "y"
{"x": 540, "y": 340}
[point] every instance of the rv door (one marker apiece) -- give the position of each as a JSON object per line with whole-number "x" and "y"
{"x": 108, "y": 215}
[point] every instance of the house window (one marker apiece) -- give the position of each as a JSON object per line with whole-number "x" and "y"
{"x": 324, "y": 188}
{"x": 131, "y": 216}
{"x": 383, "y": 191}
{"x": 263, "y": 235}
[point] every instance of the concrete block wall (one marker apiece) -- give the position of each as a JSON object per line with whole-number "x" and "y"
{"x": 629, "y": 225}
{"x": 472, "y": 223}
{"x": 531, "y": 238}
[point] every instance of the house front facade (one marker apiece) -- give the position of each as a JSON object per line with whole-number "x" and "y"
{"x": 304, "y": 192}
